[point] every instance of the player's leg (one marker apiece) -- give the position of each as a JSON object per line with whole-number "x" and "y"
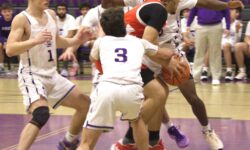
{"x": 140, "y": 134}
{"x": 155, "y": 100}
{"x": 1, "y": 57}
{"x": 189, "y": 92}
{"x": 241, "y": 49}
{"x": 228, "y": 59}
{"x": 89, "y": 139}
{"x": 40, "y": 115}
{"x": 80, "y": 102}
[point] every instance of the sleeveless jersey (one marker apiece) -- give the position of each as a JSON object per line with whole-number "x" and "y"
{"x": 121, "y": 58}
{"x": 40, "y": 59}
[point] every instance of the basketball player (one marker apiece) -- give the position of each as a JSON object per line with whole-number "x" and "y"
{"x": 34, "y": 36}
{"x": 187, "y": 88}
{"x": 120, "y": 85}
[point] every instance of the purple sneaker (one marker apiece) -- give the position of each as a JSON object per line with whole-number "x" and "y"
{"x": 65, "y": 145}
{"x": 181, "y": 140}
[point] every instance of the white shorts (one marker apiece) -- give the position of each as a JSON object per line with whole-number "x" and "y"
{"x": 54, "y": 88}
{"x": 229, "y": 40}
{"x": 107, "y": 98}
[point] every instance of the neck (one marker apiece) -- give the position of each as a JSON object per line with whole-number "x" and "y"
{"x": 232, "y": 20}
{"x": 35, "y": 11}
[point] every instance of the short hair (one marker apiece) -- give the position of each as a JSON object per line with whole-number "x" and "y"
{"x": 112, "y": 22}
{"x": 84, "y": 5}
{"x": 6, "y": 6}
{"x": 62, "y": 5}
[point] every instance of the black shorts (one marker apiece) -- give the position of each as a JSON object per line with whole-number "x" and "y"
{"x": 147, "y": 75}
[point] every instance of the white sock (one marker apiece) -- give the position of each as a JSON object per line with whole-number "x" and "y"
{"x": 168, "y": 124}
{"x": 242, "y": 69}
{"x": 229, "y": 69}
{"x": 1, "y": 65}
{"x": 205, "y": 68}
{"x": 70, "y": 137}
{"x": 206, "y": 128}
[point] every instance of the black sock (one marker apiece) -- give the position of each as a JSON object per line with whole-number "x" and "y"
{"x": 154, "y": 137}
{"x": 129, "y": 137}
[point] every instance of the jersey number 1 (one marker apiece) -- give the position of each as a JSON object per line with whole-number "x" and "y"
{"x": 50, "y": 56}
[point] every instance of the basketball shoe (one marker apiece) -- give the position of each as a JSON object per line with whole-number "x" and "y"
{"x": 181, "y": 140}
{"x": 213, "y": 140}
{"x": 65, "y": 145}
{"x": 241, "y": 76}
{"x": 120, "y": 146}
{"x": 158, "y": 146}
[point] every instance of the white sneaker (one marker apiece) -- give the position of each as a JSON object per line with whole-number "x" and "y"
{"x": 64, "y": 73}
{"x": 241, "y": 76}
{"x": 215, "y": 82}
{"x": 213, "y": 140}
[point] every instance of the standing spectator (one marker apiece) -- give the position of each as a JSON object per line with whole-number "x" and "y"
{"x": 242, "y": 49}
{"x": 5, "y": 25}
{"x": 67, "y": 27}
{"x": 229, "y": 41}
{"x": 208, "y": 35}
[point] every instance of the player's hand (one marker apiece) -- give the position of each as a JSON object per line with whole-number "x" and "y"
{"x": 68, "y": 55}
{"x": 176, "y": 66}
{"x": 235, "y": 4}
{"x": 43, "y": 37}
{"x": 84, "y": 34}
{"x": 238, "y": 27}
{"x": 226, "y": 32}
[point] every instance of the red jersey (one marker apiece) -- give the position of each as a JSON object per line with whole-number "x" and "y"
{"x": 134, "y": 24}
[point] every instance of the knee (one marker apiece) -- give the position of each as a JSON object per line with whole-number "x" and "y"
{"x": 40, "y": 116}
{"x": 84, "y": 102}
{"x": 239, "y": 47}
{"x": 194, "y": 100}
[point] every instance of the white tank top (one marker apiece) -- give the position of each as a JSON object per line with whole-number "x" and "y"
{"x": 40, "y": 59}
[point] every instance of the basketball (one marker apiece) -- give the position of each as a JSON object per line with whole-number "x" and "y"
{"x": 177, "y": 80}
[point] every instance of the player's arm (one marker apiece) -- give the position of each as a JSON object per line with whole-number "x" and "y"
{"x": 167, "y": 57}
{"x": 15, "y": 45}
{"x": 218, "y": 5}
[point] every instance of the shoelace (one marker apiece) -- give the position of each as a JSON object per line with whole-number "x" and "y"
{"x": 178, "y": 135}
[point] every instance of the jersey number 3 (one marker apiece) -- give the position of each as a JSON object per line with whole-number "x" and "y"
{"x": 121, "y": 54}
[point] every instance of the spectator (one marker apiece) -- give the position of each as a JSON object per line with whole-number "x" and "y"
{"x": 67, "y": 28}
{"x": 242, "y": 49}
{"x": 5, "y": 25}
{"x": 229, "y": 41}
{"x": 208, "y": 35}
{"x": 84, "y": 8}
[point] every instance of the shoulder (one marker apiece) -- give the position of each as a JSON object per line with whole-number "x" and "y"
{"x": 69, "y": 16}
{"x": 52, "y": 13}
{"x": 20, "y": 20}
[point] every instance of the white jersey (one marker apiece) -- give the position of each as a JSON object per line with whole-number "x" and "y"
{"x": 40, "y": 59}
{"x": 172, "y": 29}
{"x": 248, "y": 29}
{"x": 233, "y": 36}
{"x": 132, "y": 3}
{"x": 68, "y": 24}
{"x": 121, "y": 58}
{"x": 93, "y": 16}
